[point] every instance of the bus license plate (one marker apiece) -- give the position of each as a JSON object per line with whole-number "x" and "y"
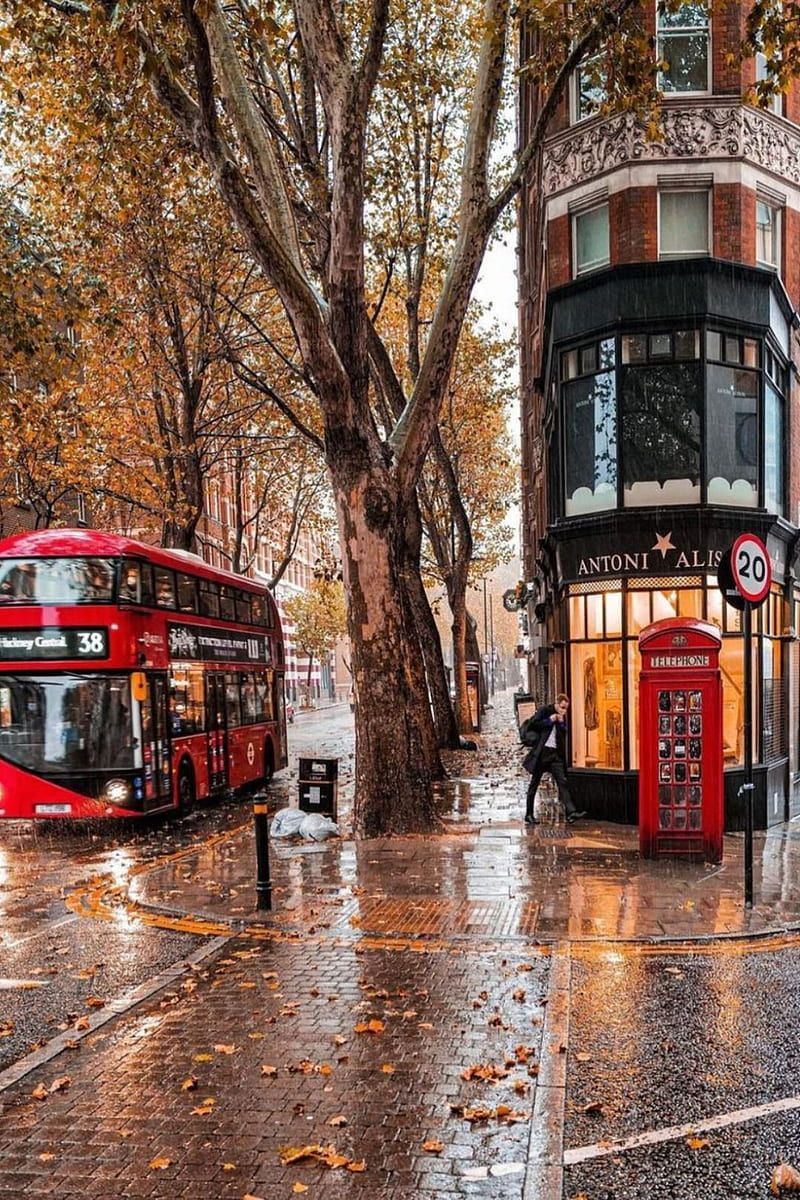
{"x": 44, "y": 810}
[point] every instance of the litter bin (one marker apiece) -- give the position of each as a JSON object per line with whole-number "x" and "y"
{"x": 319, "y": 785}
{"x": 524, "y": 706}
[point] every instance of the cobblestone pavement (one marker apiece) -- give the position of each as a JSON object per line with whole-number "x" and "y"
{"x": 363, "y": 1051}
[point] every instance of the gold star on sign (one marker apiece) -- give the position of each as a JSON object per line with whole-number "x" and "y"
{"x": 664, "y": 543}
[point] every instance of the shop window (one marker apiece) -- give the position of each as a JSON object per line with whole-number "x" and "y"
{"x": 773, "y": 725}
{"x": 639, "y": 615}
{"x": 732, "y": 436}
{"x": 731, "y": 661}
{"x": 596, "y": 717}
{"x": 589, "y": 88}
{"x": 773, "y": 449}
{"x": 660, "y": 413}
{"x": 590, "y": 436}
{"x": 590, "y": 239}
{"x": 683, "y": 227}
{"x": 683, "y": 39}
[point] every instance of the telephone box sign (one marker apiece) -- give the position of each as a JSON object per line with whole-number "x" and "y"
{"x": 680, "y": 740}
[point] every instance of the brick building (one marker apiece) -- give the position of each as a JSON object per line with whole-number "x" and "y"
{"x": 659, "y": 282}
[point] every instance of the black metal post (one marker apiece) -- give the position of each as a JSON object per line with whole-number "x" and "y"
{"x": 263, "y": 882}
{"x": 748, "y": 756}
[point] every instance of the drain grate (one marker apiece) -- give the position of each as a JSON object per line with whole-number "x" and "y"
{"x": 555, "y": 833}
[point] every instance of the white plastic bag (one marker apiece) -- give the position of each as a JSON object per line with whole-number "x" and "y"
{"x": 316, "y": 828}
{"x": 287, "y": 822}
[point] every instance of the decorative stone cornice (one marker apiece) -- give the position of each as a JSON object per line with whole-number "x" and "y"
{"x": 695, "y": 130}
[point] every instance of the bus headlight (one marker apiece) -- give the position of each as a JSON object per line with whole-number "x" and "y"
{"x": 117, "y": 791}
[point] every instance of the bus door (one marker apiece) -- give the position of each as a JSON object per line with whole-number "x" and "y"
{"x": 155, "y": 744}
{"x": 217, "y": 736}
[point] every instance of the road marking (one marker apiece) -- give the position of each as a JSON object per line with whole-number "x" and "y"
{"x": 544, "y": 1176}
{"x": 9, "y": 942}
{"x": 21, "y": 985}
{"x": 673, "y": 1132}
{"x": 115, "y": 1008}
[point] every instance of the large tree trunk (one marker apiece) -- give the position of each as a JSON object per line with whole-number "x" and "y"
{"x": 428, "y": 634}
{"x": 396, "y": 756}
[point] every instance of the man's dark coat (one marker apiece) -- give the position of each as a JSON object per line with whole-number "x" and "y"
{"x": 535, "y": 732}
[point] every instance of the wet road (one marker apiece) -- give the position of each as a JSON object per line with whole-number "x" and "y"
{"x": 56, "y": 969}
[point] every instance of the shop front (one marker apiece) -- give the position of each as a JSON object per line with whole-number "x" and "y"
{"x": 618, "y": 576}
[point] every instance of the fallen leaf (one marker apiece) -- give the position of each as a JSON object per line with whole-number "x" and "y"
{"x": 40, "y": 1092}
{"x": 337, "y": 1121}
{"x": 226, "y": 1049}
{"x": 46, "y": 1156}
{"x": 299, "y": 1187}
{"x": 94, "y": 1002}
{"x": 203, "y": 1058}
{"x": 61, "y": 1084}
{"x": 81, "y": 1023}
{"x": 519, "y": 995}
{"x": 525, "y": 967}
{"x": 582, "y": 1056}
{"x": 189, "y": 1084}
{"x": 356, "y": 1167}
{"x": 487, "y": 1071}
{"x": 268, "y": 1070}
{"x": 160, "y": 1164}
{"x": 6, "y": 1029}
{"x": 786, "y": 1178}
{"x": 697, "y": 1143}
{"x": 388, "y": 1068}
{"x": 229, "y": 1166}
{"x": 290, "y": 1154}
{"x": 595, "y": 1109}
{"x": 338, "y": 1040}
{"x": 250, "y": 1196}
{"x": 433, "y": 1146}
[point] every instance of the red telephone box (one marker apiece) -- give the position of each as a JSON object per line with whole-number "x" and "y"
{"x": 680, "y": 740}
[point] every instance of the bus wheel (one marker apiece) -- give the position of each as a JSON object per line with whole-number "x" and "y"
{"x": 269, "y": 762}
{"x": 185, "y": 789}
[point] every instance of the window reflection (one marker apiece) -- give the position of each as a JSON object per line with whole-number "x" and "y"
{"x": 596, "y": 718}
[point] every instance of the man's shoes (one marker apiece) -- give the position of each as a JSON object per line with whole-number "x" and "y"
{"x": 575, "y": 816}
{"x": 531, "y": 820}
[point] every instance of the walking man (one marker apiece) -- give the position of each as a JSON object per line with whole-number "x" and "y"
{"x": 546, "y": 734}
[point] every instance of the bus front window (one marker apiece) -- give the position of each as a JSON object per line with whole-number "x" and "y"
{"x": 56, "y": 580}
{"x": 59, "y": 724}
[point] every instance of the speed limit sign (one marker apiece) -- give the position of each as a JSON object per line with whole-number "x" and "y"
{"x": 750, "y": 568}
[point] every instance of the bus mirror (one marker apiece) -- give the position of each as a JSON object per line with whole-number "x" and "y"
{"x": 139, "y": 686}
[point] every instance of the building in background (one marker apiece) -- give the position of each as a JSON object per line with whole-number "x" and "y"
{"x": 659, "y": 282}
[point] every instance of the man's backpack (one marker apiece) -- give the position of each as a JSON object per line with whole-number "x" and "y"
{"x": 527, "y": 734}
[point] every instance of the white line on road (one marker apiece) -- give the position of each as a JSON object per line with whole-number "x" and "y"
{"x": 10, "y": 942}
{"x": 673, "y": 1132}
{"x": 115, "y": 1008}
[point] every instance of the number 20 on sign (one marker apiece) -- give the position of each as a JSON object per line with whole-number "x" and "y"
{"x": 750, "y": 567}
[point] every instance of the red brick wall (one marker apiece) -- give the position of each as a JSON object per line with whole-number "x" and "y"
{"x": 790, "y": 257}
{"x": 730, "y": 213}
{"x": 633, "y": 216}
{"x": 559, "y": 264}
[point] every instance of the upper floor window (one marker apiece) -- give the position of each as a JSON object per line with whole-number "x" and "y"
{"x": 775, "y": 101}
{"x": 590, "y": 427}
{"x": 683, "y": 223}
{"x": 768, "y": 234}
{"x": 590, "y": 239}
{"x": 683, "y": 45}
{"x": 589, "y": 88}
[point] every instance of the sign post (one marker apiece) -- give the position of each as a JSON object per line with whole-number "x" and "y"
{"x": 744, "y": 577}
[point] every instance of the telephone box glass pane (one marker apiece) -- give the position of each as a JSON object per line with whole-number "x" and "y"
{"x": 596, "y": 716}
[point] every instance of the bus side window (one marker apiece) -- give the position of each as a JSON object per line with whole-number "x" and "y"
{"x": 148, "y": 589}
{"x": 258, "y": 610}
{"x": 187, "y": 593}
{"x": 249, "y": 699}
{"x": 243, "y": 607}
{"x": 209, "y": 598}
{"x": 226, "y": 604}
{"x": 130, "y": 589}
{"x": 165, "y": 588}
{"x": 233, "y": 705}
{"x": 263, "y": 697}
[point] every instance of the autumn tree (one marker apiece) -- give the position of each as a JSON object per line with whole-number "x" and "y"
{"x": 279, "y": 104}
{"x": 319, "y": 615}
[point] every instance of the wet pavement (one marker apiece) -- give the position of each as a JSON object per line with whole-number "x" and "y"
{"x": 490, "y": 1012}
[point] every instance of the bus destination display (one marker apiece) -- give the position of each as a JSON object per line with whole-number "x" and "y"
{"x": 52, "y": 642}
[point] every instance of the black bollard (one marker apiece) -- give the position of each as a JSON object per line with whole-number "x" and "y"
{"x": 263, "y": 882}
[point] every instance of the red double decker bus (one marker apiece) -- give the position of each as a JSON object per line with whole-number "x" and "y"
{"x": 132, "y": 679}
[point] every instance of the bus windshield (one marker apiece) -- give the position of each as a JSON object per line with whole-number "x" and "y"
{"x": 55, "y": 724}
{"x": 56, "y": 580}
